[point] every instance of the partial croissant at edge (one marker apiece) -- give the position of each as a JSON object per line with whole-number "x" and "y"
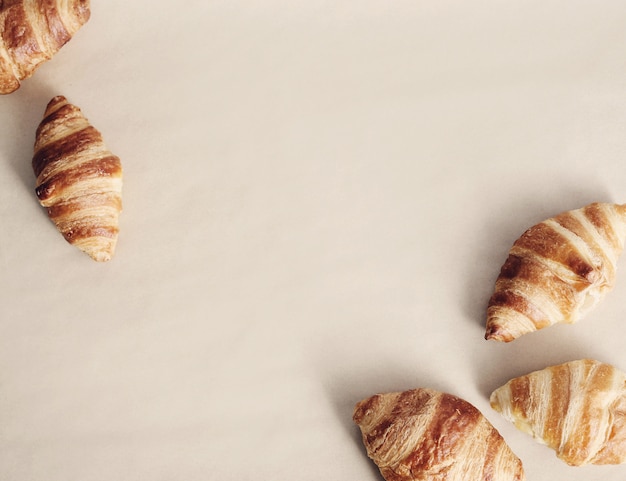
{"x": 557, "y": 271}
{"x": 32, "y": 32}
{"x": 79, "y": 180}
{"x": 426, "y": 435}
{"x": 577, "y": 408}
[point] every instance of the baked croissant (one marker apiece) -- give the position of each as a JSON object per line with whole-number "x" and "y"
{"x": 577, "y": 408}
{"x": 31, "y": 32}
{"x": 557, "y": 271}
{"x": 78, "y": 180}
{"x": 426, "y": 435}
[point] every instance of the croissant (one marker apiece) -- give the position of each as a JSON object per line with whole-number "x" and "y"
{"x": 557, "y": 271}
{"x": 426, "y": 435}
{"x": 577, "y": 408}
{"x": 31, "y": 32}
{"x": 78, "y": 180}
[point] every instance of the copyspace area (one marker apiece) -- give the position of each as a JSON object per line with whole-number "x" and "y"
{"x": 318, "y": 197}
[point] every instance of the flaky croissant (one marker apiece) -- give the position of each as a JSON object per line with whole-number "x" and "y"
{"x": 79, "y": 180}
{"x": 577, "y": 408}
{"x": 426, "y": 435}
{"x": 31, "y": 32}
{"x": 557, "y": 271}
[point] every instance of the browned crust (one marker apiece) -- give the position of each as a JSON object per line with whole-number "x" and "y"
{"x": 19, "y": 41}
{"x": 560, "y": 389}
{"x": 544, "y": 241}
{"x": 23, "y": 48}
{"x": 555, "y": 271}
{"x": 58, "y": 112}
{"x": 58, "y": 34}
{"x": 108, "y": 166}
{"x": 8, "y": 81}
{"x": 451, "y": 431}
{"x": 59, "y": 150}
{"x": 101, "y": 200}
{"x": 78, "y": 179}
{"x": 75, "y": 234}
{"x": 573, "y": 224}
{"x": 576, "y": 408}
{"x": 520, "y": 304}
{"x": 527, "y": 269}
{"x": 598, "y": 217}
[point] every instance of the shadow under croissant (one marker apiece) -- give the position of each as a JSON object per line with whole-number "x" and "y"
{"x": 531, "y": 352}
{"x": 347, "y": 387}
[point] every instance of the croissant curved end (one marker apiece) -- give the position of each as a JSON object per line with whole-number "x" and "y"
{"x": 99, "y": 256}
{"x": 621, "y": 209}
{"x": 55, "y": 104}
{"x": 497, "y": 333}
{"x": 8, "y": 82}
{"x": 501, "y": 329}
{"x": 506, "y": 325}
{"x": 81, "y": 12}
{"x": 100, "y": 248}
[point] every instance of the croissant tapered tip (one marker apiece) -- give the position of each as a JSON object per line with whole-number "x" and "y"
{"x": 55, "y": 104}
{"x": 82, "y": 10}
{"x": 78, "y": 13}
{"x": 621, "y": 208}
{"x": 100, "y": 256}
{"x": 97, "y": 242}
{"x": 493, "y": 401}
{"x": 498, "y": 333}
{"x": 57, "y": 99}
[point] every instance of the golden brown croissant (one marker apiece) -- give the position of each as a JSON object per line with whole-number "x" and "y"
{"x": 557, "y": 271}
{"x": 426, "y": 435}
{"x": 577, "y": 408}
{"x": 31, "y": 32}
{"x": 78, "y": 179}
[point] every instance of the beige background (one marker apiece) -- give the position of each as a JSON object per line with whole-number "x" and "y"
{"x": 318, "y": 197}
